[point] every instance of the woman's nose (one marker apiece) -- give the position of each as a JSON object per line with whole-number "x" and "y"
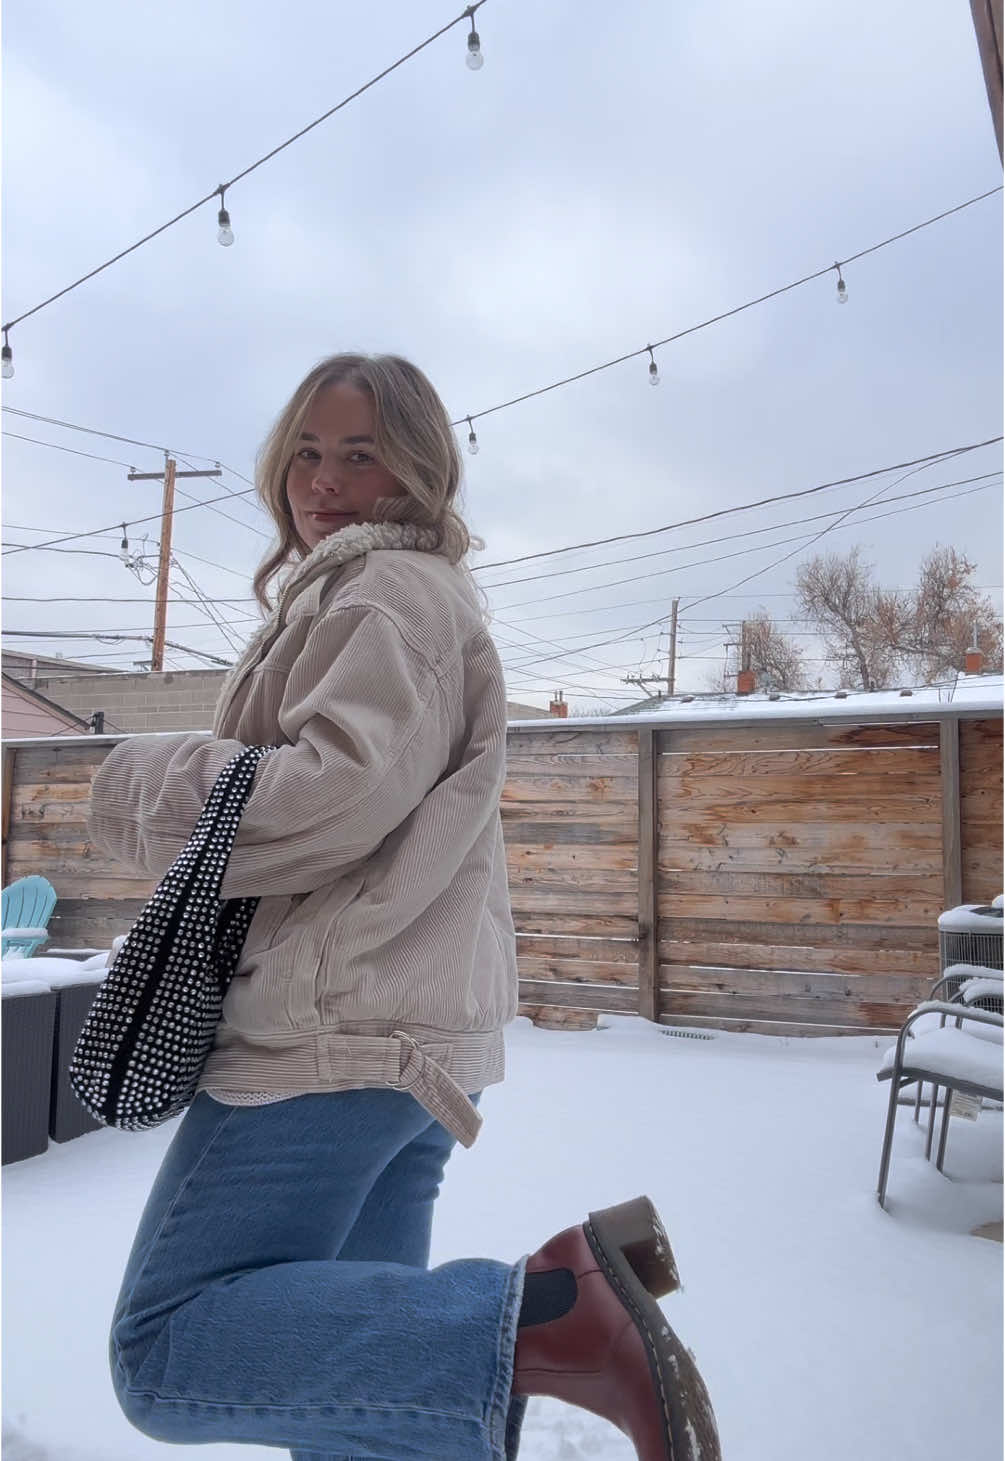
{"x": 326, "y": 477}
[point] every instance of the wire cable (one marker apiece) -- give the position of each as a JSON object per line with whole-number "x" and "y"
{"x": 955, "y": 451}
{"x": 245, "y": 172}
{"x": 727, "y": 314}
{"x": 704, "y": 562}
{"x": 719, "y": 538}
{"x": 633, "y": 633}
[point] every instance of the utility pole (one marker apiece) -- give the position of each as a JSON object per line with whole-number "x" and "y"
{"x": 671, "y": 675}
{"x": 672, "y": 652}
{"x": 168, "y": 476}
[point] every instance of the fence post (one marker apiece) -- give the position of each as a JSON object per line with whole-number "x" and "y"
{"x": 952, "y": 845}
{"x": 649, "y": 959}
{"x": 8, "y": 793}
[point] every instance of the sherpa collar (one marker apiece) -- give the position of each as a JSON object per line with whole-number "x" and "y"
{"x": 354, "y": 541}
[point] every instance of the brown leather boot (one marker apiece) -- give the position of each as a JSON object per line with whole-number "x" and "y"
{"x": 613, "y": 1353}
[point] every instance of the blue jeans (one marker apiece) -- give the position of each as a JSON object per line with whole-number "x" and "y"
{"x": 278, "y": 1290}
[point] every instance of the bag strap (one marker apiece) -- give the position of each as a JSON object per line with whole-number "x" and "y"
{"x": 220, "y": 817}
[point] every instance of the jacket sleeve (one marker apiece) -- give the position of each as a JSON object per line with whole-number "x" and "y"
{"x": 368, "y": 737}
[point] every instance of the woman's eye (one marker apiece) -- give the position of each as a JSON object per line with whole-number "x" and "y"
{"x": 307, "y": 454}
{"x": 360, "y": 458}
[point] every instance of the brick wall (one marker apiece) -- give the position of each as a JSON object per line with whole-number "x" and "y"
{"x": 179, "y": 700}
{"x": 172, "y": 700}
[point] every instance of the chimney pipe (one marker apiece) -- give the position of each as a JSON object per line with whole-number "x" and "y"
{"x": 558, "y": 706}
{"x": 973, "y": 664}
{"x": 745, "y": 682}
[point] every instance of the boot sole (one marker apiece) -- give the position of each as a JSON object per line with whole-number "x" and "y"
{"x": 632, "y": 1248}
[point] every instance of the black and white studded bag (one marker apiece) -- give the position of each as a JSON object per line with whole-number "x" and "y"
{"x": 151, "y": 1026}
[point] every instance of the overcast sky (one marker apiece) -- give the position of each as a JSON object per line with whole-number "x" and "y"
{"x": 615, "y": 173}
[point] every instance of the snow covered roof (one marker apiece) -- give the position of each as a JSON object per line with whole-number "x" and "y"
{"x": 968, "y": 694}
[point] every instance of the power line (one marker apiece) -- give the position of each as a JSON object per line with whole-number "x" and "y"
{"x": 743, "y": 507}
{"x": 822, "y": 533}
{"x": 72, "y": 451}
{"x": 923, "y": 492}
{"x": 182, "y": 552}
{"x": 102, "y": 599}
{"x": 704, "y": 562}
{"x": 133, "y": 523}
{"x": 209, "y": 608}
{"x": 221, "y": 188}
{"x": 727, "y": 314}
{"x": 650, "y": 532}
{"x": 128, "y": 441}
{"x": 720, "y": 537}
{"x": 571, "y": 652}
{"x": 112, "y": 461}
{"x": 637, "y": 630}
{"x": 111, "y": 436}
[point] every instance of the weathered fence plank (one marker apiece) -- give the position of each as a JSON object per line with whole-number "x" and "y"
{"x": 766, "y": 983}
{"x": 803, "y": 957}
{"x": 778, "y": 735}
{"x": 817, "y": 762}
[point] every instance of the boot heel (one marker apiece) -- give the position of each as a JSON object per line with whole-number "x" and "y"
{"x": 634, "y": 1230}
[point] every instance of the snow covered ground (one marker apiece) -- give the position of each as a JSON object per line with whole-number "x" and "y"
{"x": 826, "y": 1328}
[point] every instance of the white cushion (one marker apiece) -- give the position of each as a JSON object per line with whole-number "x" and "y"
{"x": 23, "y": 987}
{"x": 953, "y": 1053}
{"x": 54, "y": 973}
{"x": 974, "y": 989}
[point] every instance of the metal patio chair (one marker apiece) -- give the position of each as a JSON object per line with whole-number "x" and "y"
{"x": 948, "y": 1057}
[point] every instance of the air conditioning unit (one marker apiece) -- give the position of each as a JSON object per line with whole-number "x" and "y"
{"x": 971, "y": 934}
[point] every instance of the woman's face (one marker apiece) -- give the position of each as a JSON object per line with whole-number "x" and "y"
{"x": 335, "y": 479}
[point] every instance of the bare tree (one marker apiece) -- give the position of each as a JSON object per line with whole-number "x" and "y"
{"x": 838, "y": 593}
{"x": 875, "y": 636}
{"x": 949, "y": 615}
{"x": 777, "y": 662}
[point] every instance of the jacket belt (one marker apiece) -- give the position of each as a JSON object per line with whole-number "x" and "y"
{"x": 434, "y": 1089}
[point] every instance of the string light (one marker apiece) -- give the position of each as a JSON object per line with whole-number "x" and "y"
{"x": 475, "y": 58}
{"x": 124, "y": 547}
{"x": 8, "y": 358}
{"x": 842, "y": 294}
{"x": 654, "y": 370}
{"x": 472, "y": 439}
{"x": 225, "y": 236}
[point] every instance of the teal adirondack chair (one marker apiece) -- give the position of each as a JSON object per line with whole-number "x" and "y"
{"x": 27, "y": 908}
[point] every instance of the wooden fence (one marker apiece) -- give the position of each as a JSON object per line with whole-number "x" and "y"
{"x": 779, "y": 876}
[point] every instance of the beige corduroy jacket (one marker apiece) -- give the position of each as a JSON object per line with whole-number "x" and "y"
{"x": 382, "y": 952}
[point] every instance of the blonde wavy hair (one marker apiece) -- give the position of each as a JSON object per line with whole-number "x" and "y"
{"x": 413, "y": 440}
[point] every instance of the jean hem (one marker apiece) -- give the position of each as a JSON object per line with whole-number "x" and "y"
{"x": 505, "y": 1412}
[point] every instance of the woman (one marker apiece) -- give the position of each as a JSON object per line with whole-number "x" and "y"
{"x": 278, "y": 1289}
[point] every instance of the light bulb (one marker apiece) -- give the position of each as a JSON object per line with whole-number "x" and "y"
{"x": 842, "y": 292}
{"x": 654, "y": 374}
{"x": 475, "y": 58}
{"x": 226, "y": 233}
{"x": 472, "y": 443}
{"x": 8, "y": 362}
